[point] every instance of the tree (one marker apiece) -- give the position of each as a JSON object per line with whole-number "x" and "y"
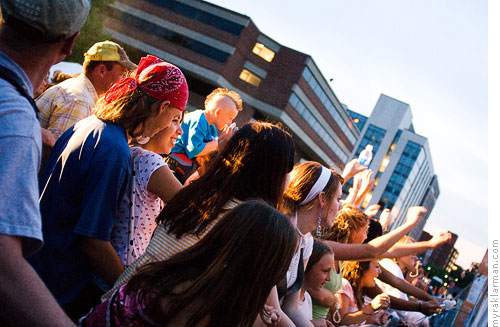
{"x": 92, "y": 31}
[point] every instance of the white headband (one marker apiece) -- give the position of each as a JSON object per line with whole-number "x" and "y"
{"x": 319, "y": 186}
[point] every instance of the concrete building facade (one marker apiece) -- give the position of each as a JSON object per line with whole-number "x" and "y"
{"x": 216, "y": 47}
{"x": 402, "y": 162}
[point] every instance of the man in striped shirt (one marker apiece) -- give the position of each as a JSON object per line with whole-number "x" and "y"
{"x": 64, "y": 104}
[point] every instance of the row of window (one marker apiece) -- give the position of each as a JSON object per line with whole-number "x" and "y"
{"x": 374, "y": 135}
{"x": 320, "y": 93}
{"x": 171, "y": 36}
{"x": 401, "y": 173}
{"x": 200, "y": 15}
{"x": 313, "y": 122}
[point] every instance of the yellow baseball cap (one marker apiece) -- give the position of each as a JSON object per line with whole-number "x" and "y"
{"x": 109, "y": 51}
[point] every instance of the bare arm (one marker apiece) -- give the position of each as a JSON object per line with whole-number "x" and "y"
{"x": 366, "y": 186}
{"x": 24, "y": 298}
{"x": 103, "y": 258}
{"x": 323, "y": 297}
{"x": 353, "y": 191}
{"x": 401, "y": 250}
{"x": 379, "y": 245}
{"x": 402, "y": 285}
{"x": 427, "y": 308}
{"x": 357, "y": 317}
{"x": 164, "y": 184}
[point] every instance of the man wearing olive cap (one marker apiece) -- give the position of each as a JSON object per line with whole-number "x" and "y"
{"x": 64, "y": 104}
{"x": 34, "y": 35}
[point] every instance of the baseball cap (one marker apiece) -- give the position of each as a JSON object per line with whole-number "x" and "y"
{"x": 109, "y": 51}
{"x": 55, "y": 19}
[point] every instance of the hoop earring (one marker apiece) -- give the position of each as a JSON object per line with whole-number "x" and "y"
{"x": 142, "y": 139}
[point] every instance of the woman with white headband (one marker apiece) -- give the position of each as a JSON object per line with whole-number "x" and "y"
{"x": 312, "y": 200}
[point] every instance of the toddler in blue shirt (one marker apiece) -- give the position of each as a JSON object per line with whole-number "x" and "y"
{"x": 199, "y": 127}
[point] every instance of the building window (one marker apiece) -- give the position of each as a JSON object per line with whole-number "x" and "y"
{"x": 330, "y": 107}
{"x": 250, "y": 77}
{"x": 171, "y": 36}
{"x": 200, "y": 15}
{"x": 401, "y": 173}
{"x": 264, "y": 52}
{"x": 313, "y": 122}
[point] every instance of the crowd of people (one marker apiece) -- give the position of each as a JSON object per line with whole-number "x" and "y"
{"x": 118, "y": 208}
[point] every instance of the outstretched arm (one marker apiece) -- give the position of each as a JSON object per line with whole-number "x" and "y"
{"x": 427, "y": 307}
{"x": 401, "y": 250}
{"x": 404, "y": 286}
{"x": 379, "y": 245}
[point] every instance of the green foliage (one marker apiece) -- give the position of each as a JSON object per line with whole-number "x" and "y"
{"x": 91, "y": 32}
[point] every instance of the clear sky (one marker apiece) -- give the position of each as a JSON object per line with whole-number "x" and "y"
{"x": 431, "y": 54}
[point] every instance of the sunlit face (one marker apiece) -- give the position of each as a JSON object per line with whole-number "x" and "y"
{"x": 319, "y": 273}
{"x": 169, "y": 134}
{"x": 334, "y": 207}
{"x": 369, "y": 276}
{"x": 360, "y": 234}
{"x": 163, "y": 119}
{"x": 225, "y": 112}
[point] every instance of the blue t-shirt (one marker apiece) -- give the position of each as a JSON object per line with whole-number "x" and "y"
{"x": 81, "y": 187}
{"x": 196, "y": 132}
{"x": 20, "y": 152}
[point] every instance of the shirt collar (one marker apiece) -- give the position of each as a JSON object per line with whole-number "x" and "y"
{"x": 7, "y": 62}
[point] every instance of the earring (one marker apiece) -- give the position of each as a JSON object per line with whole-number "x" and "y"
{"x": 142, "y": 139}
{"x": 318, "y": 229}
{"x": 336, "y": 316}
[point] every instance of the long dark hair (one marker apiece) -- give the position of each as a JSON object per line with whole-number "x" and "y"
{"x": 319, "y": 250}
{"x": 253, "y": 164}
{"x": 229, "y": 273}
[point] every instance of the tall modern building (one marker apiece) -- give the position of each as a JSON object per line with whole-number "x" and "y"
{"x": 402, "y": 162}
{"x": 216, "y": 47}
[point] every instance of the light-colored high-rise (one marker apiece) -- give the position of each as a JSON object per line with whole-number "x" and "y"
{"x": 402, "y": 162}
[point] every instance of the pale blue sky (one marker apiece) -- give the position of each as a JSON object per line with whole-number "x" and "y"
{"x": 431, "y": 54}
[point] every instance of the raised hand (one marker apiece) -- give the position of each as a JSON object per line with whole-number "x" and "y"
{"x": 372, "y": 210}
{"x": 414, "y": 215}
{"x": 439, "y": 239}
{"x": 226, "y": 134}
{"x": 352, "y": 168}
{"x": 385, "y": 218}
{"x": 366, "y": 180}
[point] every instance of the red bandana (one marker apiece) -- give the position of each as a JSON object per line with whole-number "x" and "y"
{"x": 158, "y": 78}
